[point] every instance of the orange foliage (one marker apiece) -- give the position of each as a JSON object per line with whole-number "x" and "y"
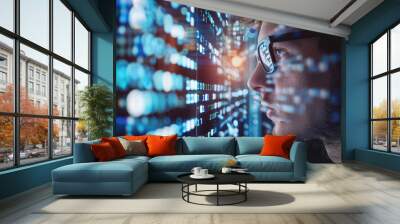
{"x": 33, "y": 130}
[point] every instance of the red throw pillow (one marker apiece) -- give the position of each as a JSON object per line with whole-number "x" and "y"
{"x": 277, "y": 145}
{"x": 103, "y": 152}
{"x": 116, "y": 145}
{"x": 161, "y": 145}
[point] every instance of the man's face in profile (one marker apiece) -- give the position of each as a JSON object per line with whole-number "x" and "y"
{"x": 295, "y": 96}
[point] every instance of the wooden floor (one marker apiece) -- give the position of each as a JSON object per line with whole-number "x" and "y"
{"x": 377, "y": 188}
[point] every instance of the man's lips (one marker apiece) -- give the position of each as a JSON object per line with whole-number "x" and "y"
{"x": 274, "y": 114}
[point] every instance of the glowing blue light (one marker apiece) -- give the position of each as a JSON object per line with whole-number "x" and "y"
{"x": 122, "y": 80}
{"x": 175, "y": 5}
{"x": 168, "y": 22}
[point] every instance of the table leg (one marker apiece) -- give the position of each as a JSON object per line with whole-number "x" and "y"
{"x": 217, "y": 194}
{"x": 188, "y": 189}
{"x": 245, "y": 193}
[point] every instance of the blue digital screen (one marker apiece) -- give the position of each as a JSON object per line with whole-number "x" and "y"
{"x": 194, "y": 72}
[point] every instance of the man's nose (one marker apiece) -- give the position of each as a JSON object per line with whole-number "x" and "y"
{"x": 259, "y": 81}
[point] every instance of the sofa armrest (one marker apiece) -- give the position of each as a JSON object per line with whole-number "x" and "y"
{"x": 298, "y": 155}
{"x": 83, "y": 152}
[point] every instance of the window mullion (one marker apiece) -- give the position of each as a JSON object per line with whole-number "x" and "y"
{"x": 389, "y": 77}
{"x": 73, "y": 82}
{"x": 50, "y": 81}
{"x": 16, "y": 84}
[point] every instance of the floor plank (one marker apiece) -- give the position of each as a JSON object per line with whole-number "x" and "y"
{"x": 376, "y": 189}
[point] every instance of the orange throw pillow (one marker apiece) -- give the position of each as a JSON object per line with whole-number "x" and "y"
{"x": 161, "y": 145}
{"x": 103, "y": 152}
{"x": 135, "y": 137}
{"x": 277, "y": 145}
{"x": 116, "y": 145}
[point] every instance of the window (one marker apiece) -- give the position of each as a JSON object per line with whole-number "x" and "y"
{"x": 62, "y": 137}
{"x": 30, "y": 72}
{"x": 38, "y": 74}
{"x": 6, "y": 89}
{"x": 35, "y": 21}
{"x": 30, "y": 87}
{"x": 7, "y": 14}
{"x": 3, "y": 72}
{"x": 385, "y": 94}
{"x": 81, "y": 81}
{"x": 44, "y": 91}
{"x": 47, "y": 76}
{"x": 62, "y": 74}
{"x": 6, "y": 142}
{"x": 33, "y": 147}
{"x": 81, "y": 45}
{"x": 3, "y": 61}
{"x": 62, "y": 29}
{"x": 37, "y": 89}
{"x": 3, "y": 78}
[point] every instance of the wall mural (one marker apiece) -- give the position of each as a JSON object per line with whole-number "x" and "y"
{"x": 196, "y": 72}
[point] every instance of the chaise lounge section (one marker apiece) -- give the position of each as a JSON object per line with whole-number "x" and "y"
{"x": 125, "y": 176}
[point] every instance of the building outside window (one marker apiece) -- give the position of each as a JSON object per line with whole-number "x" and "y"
{"x": 38, "y": 89}
{"x": 59, "y": 127}
{"x": 30, "y": 72}
{"x": 3, "y": 72}
{"x": 30, "y": 87}
{"x": 385, "y": 92}
{"x": 37, "y": 74}
{"x": 3, "y": 78}
{"x": 43, "y": 90}
{"x": 3, "y": 60}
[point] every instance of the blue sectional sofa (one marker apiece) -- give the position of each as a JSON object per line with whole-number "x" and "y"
{"x": 125, "y": 176}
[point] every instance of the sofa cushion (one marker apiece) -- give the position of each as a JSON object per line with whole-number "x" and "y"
{"x": 111, "y": 171}
{"x": 249, "y": 145}
{"x": 161, "y": 145}
{"x": 185, "y": 163}
{"x": 136, "y": 147}
{"x": 133, "y": 158}
{"x": 135, "y": 137}
{"x": 277, "y": 145}
{"x": 257, "y": 163}
{"x": 208, "y": 145}
{"x": 103, "y": 152}
{"x": 116, "y": 145}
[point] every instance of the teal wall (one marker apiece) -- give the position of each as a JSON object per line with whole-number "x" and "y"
{"x": 98, "y": 15}
{"x": 356, "y": 136}
{"x": 102, "y": 58}
{"x": 103, "y": 62}
{"x": 24, "y": 178}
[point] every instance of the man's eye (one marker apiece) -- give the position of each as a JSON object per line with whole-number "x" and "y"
{"x": 281, "y": 53}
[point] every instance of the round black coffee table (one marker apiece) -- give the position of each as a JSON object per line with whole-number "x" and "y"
{"x": 238, "y": 179}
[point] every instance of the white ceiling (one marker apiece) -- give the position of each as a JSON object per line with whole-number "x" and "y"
{"x": 319, "y": 9}
{"x": 313, "y": 15}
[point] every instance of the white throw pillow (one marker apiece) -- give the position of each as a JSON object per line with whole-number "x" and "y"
{"x": 137, "y": 147}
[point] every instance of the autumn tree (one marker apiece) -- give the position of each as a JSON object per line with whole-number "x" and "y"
{"x": 33, "y": 131}
{"x": 379, "y": 128}
{"x": 6, "y": 122}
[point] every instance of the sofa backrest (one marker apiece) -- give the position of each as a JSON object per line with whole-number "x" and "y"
{"x": 249, "y": 145}
{"x": 83, "y": 152}
{"x": 190, "y": 146}
{"x": 206, "y": 145}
